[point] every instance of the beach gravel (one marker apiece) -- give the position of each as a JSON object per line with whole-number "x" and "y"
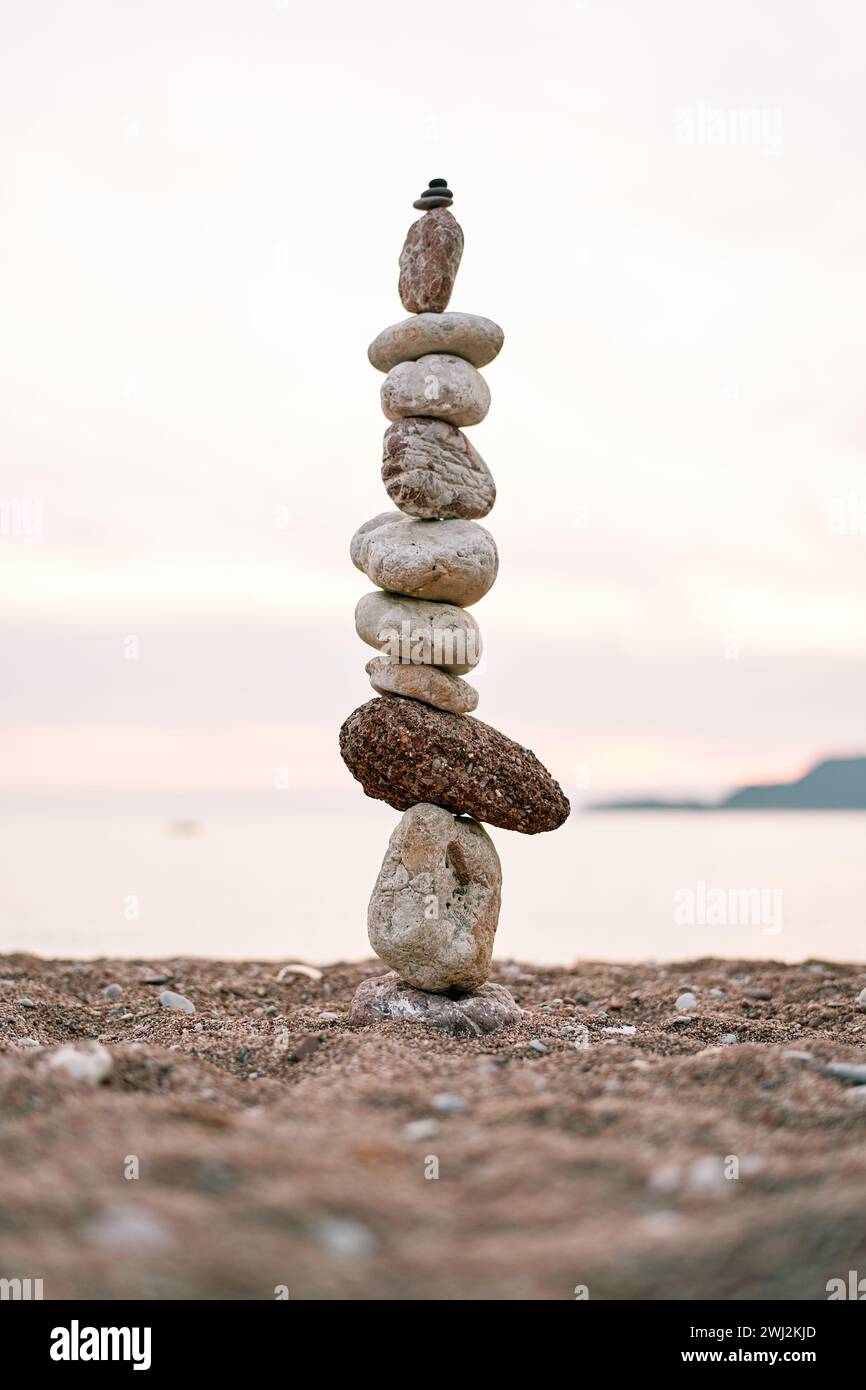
{"x": 275, "y": 1150}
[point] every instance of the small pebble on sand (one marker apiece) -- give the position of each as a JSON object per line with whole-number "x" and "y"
{"x": 113, "y": 992}
{"x": 421, "y": 1129}
{"x": 447, "y": 1103}
{"x": 751, "y": 1164}
{"x": 661, "y": 1225}
{"x": 850, "y": 1072}
{"x": 90, "y": 1064}
{"x": 704, "y": 1174}
{"x": 685, "y": 1002}
{"x": 296, "y": 968}
{"x": 345, "y": 1237}
{"x": 169, "y": 1000}
{"x": 130, "y": 1228}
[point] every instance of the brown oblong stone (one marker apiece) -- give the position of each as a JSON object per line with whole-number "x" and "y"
{"x": 403, "y": 752}
{"x": 428, "y": 262}
{"x": 430, "y": 469}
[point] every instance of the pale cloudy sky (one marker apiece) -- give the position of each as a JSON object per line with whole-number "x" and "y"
{"x": 201, "y": 208}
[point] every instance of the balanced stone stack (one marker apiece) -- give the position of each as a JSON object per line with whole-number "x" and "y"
{"x": 435, "y": 905}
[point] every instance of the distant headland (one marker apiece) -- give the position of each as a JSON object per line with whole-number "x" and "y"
{"x": 836, "y": 784}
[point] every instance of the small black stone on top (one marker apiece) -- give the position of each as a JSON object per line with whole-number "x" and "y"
{"x": 436, "y": 195}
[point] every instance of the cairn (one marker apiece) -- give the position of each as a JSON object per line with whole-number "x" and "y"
{"x": 435, "y": 905}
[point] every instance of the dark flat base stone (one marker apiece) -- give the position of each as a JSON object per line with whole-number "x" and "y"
{"x": 386, "y": 997}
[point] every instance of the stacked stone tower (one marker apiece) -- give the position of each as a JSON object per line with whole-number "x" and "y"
{"x": 435, "y": 905}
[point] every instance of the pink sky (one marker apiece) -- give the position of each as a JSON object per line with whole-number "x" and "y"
{"x": 198, "y": 238}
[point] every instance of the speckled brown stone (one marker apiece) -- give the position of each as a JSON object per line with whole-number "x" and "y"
{"x": 429, "y": 261}
{"x": 403, "y": 752}
{"x": 386, "y": 997}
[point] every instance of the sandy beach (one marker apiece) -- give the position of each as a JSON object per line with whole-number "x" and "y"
{"x": 607, "y": 1146}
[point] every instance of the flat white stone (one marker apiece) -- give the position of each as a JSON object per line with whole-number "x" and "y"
{"x": 475, "y": 339}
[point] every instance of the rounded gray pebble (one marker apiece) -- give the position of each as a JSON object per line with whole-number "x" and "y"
{"x": 421, "y": 1129}
{"x": 169, "y": 1000}
{"x": 437, "y": 385}
{"x": 469, "y": 336}
{"x": 444, "y": 561}
{"x": 850, "y": 1072}
{"x": 447, "y": 1103}
{"x": 344, "y": 1237}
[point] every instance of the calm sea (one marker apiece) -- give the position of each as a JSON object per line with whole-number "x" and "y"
{"x": 295, "y": 885}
